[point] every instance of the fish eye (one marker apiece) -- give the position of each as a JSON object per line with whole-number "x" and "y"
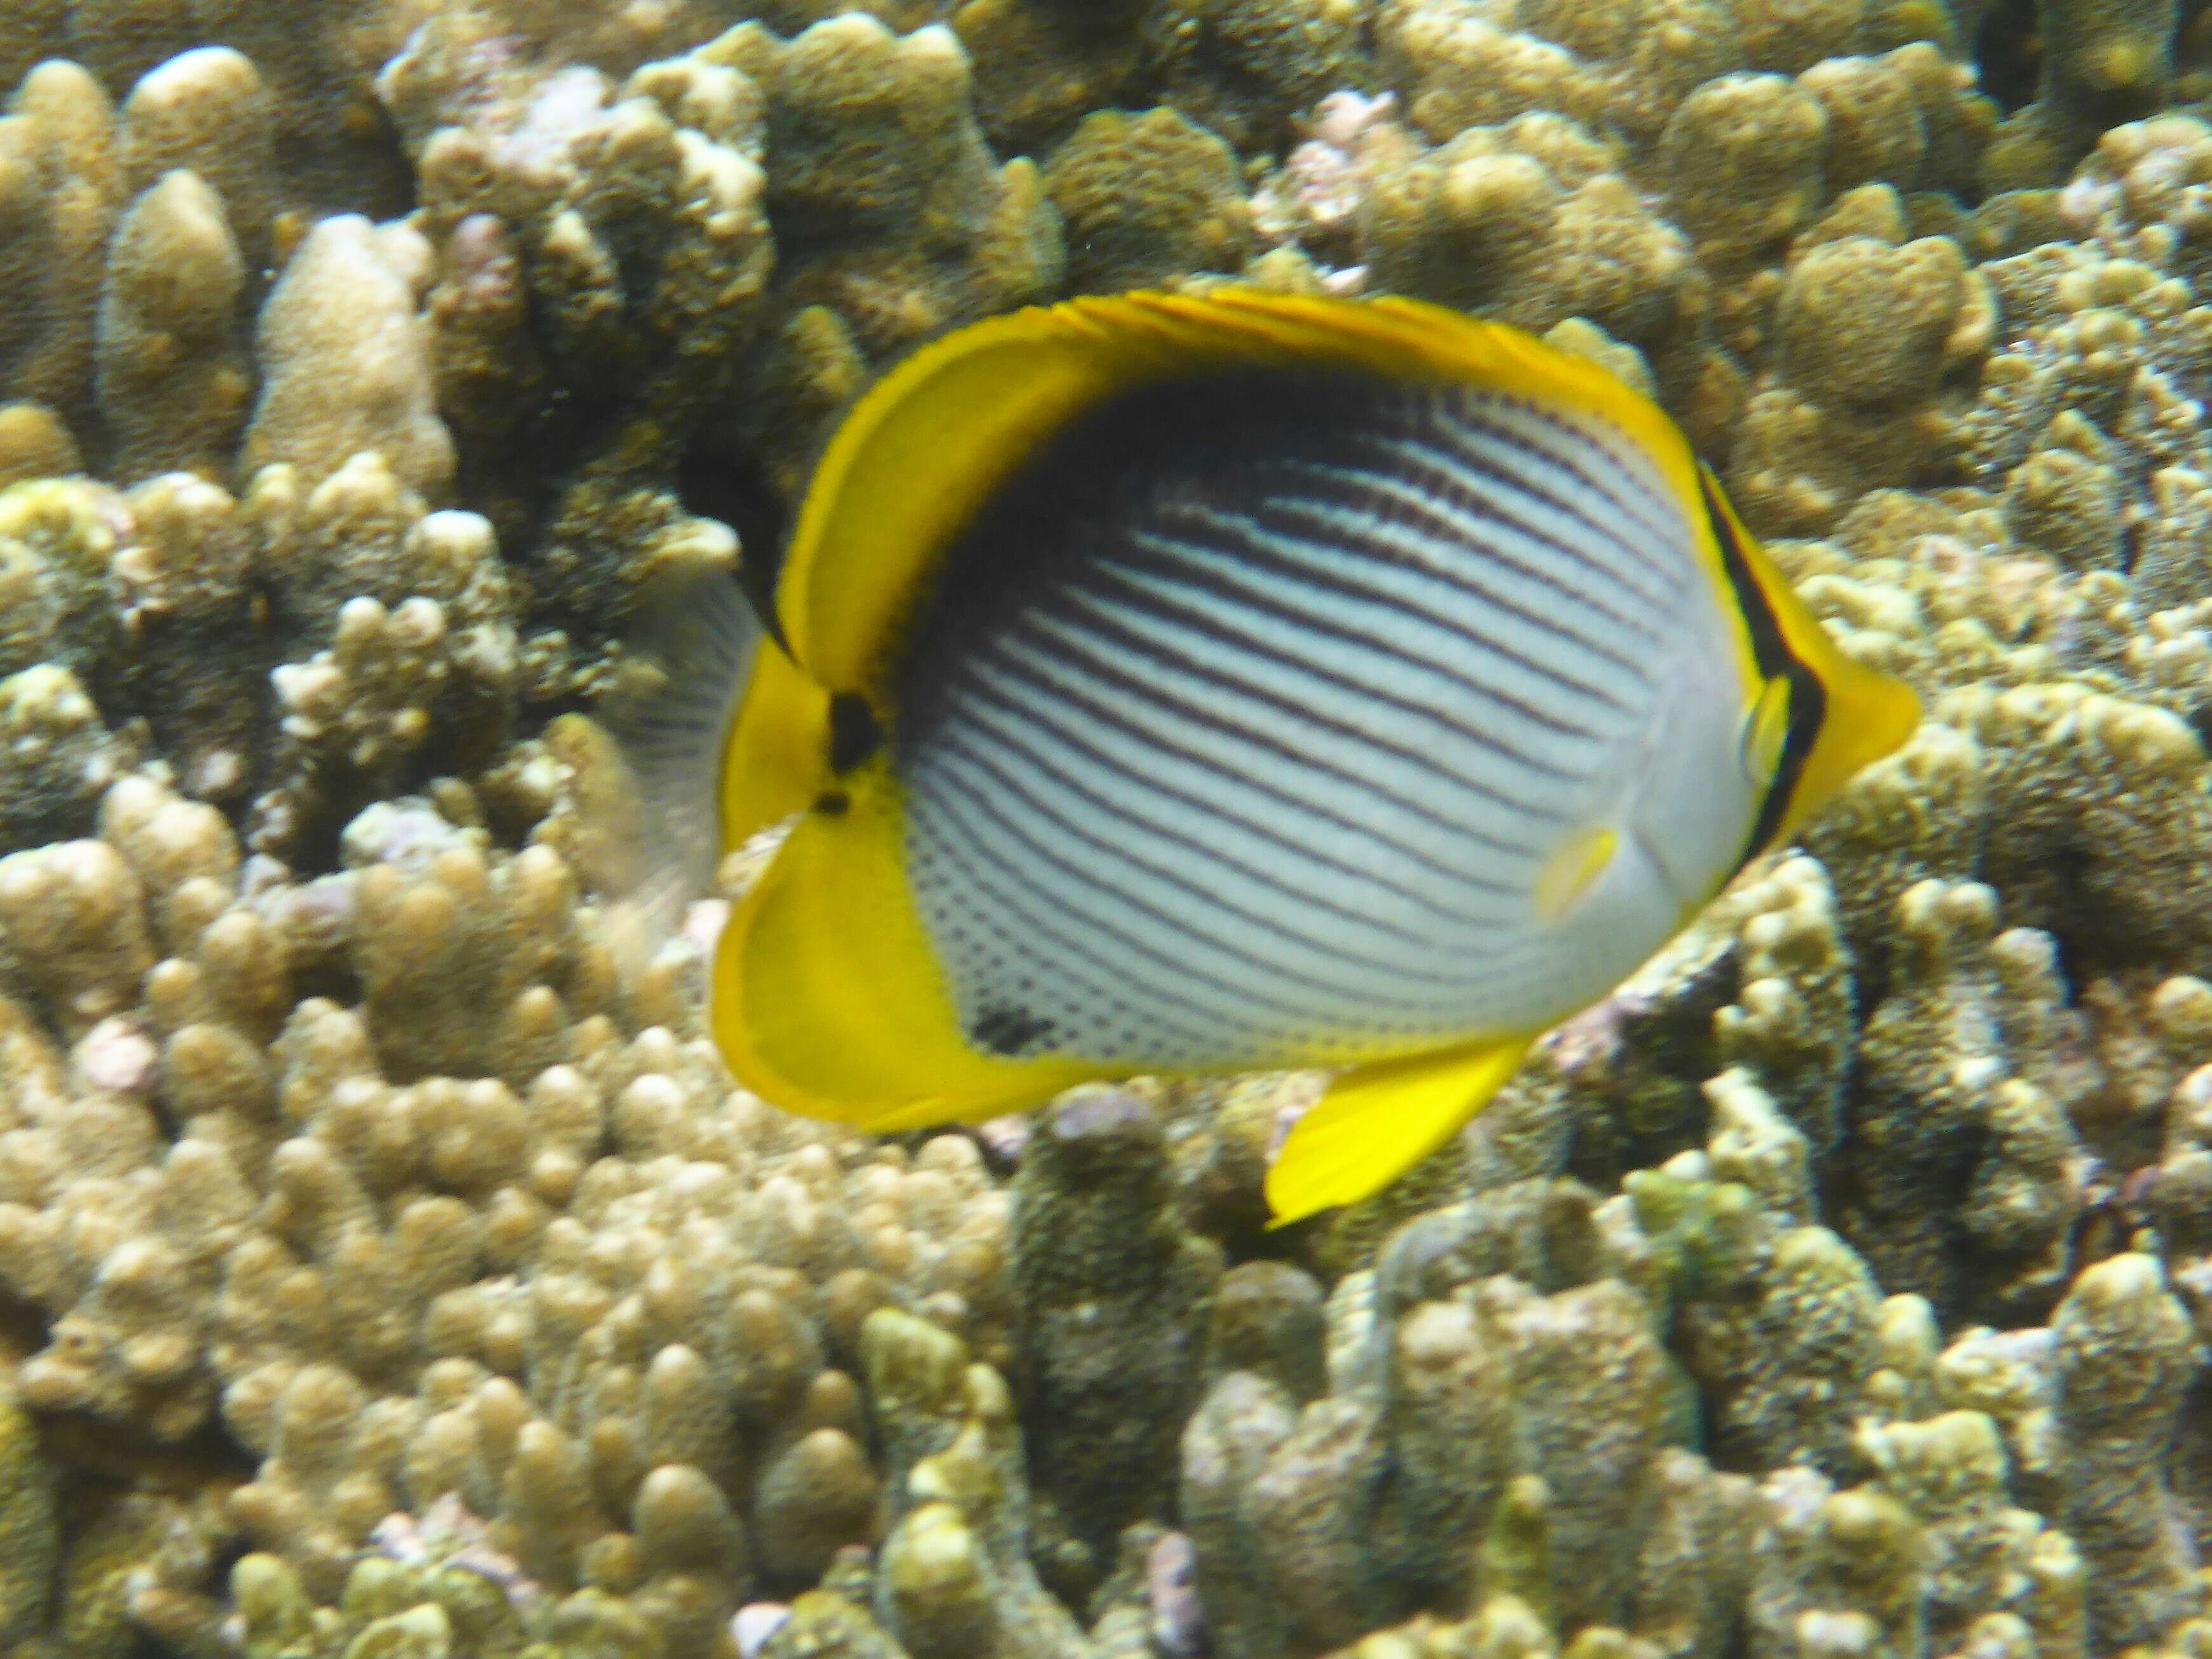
{"x": 1765, "y": 726}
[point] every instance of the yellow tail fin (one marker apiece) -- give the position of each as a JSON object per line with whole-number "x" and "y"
{"x": 1377, "y": 1122}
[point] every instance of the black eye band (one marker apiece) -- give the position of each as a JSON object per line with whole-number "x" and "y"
{"x": 1809, "y": 698}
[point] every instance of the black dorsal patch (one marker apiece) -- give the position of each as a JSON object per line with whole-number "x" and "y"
{"x": 1218, "y": 437}
{"x": 856, "y": 733}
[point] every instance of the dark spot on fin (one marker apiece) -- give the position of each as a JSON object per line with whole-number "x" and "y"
{"x": 833, "y": 803}
{"x": 1005, "y": 1029}
{"x": 856, "y": 733}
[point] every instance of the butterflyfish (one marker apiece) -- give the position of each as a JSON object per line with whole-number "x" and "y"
{"x": 1190, "y": 684}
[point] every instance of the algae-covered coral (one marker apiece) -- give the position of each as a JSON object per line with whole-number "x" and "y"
{"x": 387, "y": 1266}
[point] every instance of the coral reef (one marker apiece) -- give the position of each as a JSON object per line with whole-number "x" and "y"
{"x": 388, "y": 1265}
{"x": 1147, "y": 199}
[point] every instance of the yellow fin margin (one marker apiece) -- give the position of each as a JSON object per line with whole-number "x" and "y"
{"x": 828, "y": 998}
{"x": 1377, "y": 1122}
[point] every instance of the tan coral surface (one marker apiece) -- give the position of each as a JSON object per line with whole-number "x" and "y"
{"x": 389, "y": 1269}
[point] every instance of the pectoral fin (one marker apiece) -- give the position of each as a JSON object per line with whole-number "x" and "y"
{"x": 1377, "y": 1122}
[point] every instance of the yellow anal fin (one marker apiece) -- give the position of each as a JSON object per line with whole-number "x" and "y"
{"x": 900, "y": 1116}
{"x": 829, "y": 999}
{"x": 1377, "y": 1122}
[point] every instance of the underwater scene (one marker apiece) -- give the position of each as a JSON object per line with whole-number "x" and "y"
{"x": 1105, "y": 829}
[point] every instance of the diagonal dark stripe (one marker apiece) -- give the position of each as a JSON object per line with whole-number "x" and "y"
{"x": 1460, "y": 517}
{"x": 1111, "y": 673}
{"x": 1278, "y": 546}
{"x": 1034, "y": 912}
{"x": 1331, "y": 515}
{"x": 961, "y": 748}
{"x": 1500, "y": 506}
{"x": 1666, "y": 530}
{"x": 1647, "y": 503}
{"x": 1263, "y": 580}
{"x": 1218, "y": 671}
{"x": 1156, "y": 951}
{"x": 1002, "y": 719}
{"x": 1041, "y": 709}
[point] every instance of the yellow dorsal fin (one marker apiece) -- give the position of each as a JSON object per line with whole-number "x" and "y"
{"x": 1377, "y": 1122}
{"x": 931, "y": 441}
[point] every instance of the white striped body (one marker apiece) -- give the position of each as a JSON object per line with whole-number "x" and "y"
{"x": 1252, "y": 725}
